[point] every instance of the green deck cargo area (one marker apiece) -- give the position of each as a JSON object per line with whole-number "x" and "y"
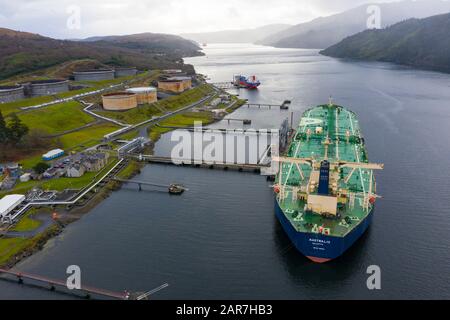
{"x": 331, "y": 133}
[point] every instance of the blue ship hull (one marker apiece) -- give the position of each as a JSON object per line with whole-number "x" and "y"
{"x": 317, "y": 247}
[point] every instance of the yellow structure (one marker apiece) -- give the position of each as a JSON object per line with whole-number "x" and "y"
{"x": 119, "y": 101}
{"x": 175, "y": 84}
{"x": 145, "y": 95}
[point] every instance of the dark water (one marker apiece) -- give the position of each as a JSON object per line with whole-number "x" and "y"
{"x": 221, "y": 239}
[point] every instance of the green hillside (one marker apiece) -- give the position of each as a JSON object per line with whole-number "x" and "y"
{"x": 22, "y": 52}
{"x": 421, "y": 43}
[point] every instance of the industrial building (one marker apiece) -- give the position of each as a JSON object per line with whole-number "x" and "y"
{"x": 175, "y": 84}
{"x": 120, "y": 101}
{"x": 46, "y": 87}
{"x": 9, "y": 203}
{"x": 11, "y": 93}
{"x": 125, "y": 72}
{"x": 53, "y": 154}
{"x": 94, "y": 75}
{"x": 145, "y": 95}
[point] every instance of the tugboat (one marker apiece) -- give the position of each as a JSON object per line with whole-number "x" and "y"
{"x": 285, "y": 105}
{"x": 176, "y": 189}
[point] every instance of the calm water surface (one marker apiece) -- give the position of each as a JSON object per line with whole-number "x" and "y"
{"x": 220, "y": 240}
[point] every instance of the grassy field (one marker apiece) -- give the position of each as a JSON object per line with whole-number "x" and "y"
{"x": 186, "y": 98}
{"x": 69, "y": 94}
{"x": 11, "y": 107}
{"x": 130, "y": 135}
{"x": 186, "y": 119}
{"x": 87, "y": 137}
{"x": 11, "y": 246}
{"x": 129, "y": 170}
{"x": 132, "y": 116}
{"x": 57, "y": 118}
{"x": 27, "y": 223}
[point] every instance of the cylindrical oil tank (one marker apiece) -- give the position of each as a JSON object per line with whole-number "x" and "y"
{"x": 186, "y": 81}
{"x": 94, "y": 75}
{"x": 171, "y": 86}
{"x": 125, "y": 72}
{"x": 11, "y": 93}
{"x": 48, "y": 87}
{"x": 119, "y": 101}
{"x": 145, "y": 95}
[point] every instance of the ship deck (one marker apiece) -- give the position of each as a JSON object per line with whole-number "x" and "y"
{"x": 344, "y": 143}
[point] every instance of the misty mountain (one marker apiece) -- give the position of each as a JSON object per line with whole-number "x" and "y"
{"x": 421, "y": 43}
{"x": 22, "y": 52}
{"x": 237, "y": 36}
{"x": 326, "y": 31}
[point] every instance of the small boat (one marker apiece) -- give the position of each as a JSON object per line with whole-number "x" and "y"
{"x": 285, "y": 105}
{"x": 176, "y": 189}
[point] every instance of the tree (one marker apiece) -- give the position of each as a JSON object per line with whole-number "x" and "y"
{"x": 41, "y": 167}
{"x": 17, "y": 130}
{"x": 3, "y": 129}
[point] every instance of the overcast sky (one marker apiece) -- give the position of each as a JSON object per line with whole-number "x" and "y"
{"x": 58, "y": 18}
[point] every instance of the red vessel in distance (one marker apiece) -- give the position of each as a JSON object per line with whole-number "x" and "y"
{"x": 247, "y": 83}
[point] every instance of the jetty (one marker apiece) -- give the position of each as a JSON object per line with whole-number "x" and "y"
{"x": 173, "y": 188}
{"x": 54, "y": 284}
{"x": 242, "y": 167}
{"x": 283, "y": 106}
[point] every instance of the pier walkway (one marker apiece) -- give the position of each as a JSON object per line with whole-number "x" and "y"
{"x": 53, "y": 284}
{"x": 200, "y": 164}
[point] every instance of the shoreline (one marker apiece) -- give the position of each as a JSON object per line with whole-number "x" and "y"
{"x": 76, "y": 213}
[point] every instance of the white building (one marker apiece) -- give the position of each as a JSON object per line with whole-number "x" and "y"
{"x": 53, "y": 154}
{"x": 9, "y": 203}
{"x": 25, "y": 177}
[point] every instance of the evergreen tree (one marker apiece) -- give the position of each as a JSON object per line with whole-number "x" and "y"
{"x": 17, "y": 130}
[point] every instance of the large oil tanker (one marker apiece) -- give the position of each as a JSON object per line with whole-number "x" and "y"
{"x": 325, "y": 188}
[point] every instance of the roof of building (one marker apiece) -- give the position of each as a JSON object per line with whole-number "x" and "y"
{"x": 9, "y": 201}
{"x": 119, "y": 95}
{"x": 142, "y": 89}
{"x": 53, "y": 153}
{"x": 11, "y": 88}
{"x": 93, "y": 71}
{"x": 182, "y": 78}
